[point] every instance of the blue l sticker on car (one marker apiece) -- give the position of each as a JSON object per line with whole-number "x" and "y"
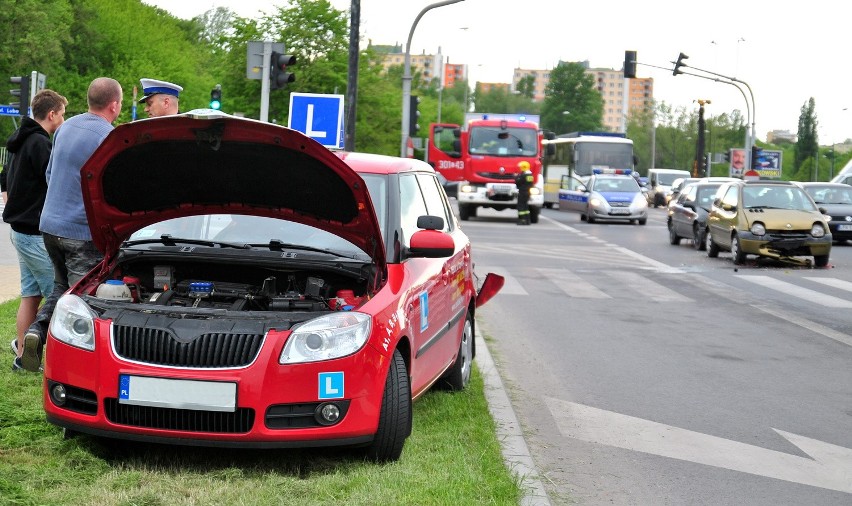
{"x": 424, "y": 311}
{"x": 331, "y": 385}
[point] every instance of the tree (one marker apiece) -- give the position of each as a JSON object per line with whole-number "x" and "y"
{"x": 571, "y": 102}
{"x": 807, "y": 145}
{"x": 526, "y": 86}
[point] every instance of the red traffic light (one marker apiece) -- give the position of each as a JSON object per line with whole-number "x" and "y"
{"x": 278, "y": 75}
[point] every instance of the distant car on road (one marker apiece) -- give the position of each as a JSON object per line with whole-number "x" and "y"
{"x": 688, "y": 213}
{"x": 836, "y": 199}
{"x": 775, "y": 219}
{"x": 607, "y": 195}
{"x": 660, "y": 185}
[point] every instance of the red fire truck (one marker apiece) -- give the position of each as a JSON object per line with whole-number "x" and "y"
{"x": 483, "y": 156}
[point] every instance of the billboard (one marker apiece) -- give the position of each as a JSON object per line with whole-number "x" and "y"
{"x": 769, "y": 164}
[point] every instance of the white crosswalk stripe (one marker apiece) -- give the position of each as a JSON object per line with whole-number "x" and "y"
{"x": 645, "y": 287}
{"x": 573, "y": 285}
{"x": 801, "y": 292}
{"x": 511, "y": 286}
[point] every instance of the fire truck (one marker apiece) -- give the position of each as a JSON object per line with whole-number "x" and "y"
{"x": 482, "y": 158}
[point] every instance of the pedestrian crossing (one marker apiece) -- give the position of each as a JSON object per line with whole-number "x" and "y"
{"x": 683, "y": 287}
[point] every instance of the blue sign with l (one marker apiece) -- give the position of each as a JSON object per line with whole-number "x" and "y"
{"x": 318, "y": 116}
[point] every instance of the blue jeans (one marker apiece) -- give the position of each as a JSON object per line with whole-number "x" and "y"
{"x": 72, "y": 259}
{"x": 36, "y": 266}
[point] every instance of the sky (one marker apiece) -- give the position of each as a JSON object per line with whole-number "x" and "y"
{"x": 786, "y": 55}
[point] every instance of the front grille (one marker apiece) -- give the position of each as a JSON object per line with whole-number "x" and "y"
{"x": 187, "y": 420}
{"x": 497, "y": 175}
{"x": 160, "y": 347}
{"x": 619, "y": 204}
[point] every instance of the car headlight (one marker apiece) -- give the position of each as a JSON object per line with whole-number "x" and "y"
{"x": 595, "y": 202}
{"x": 758, "y": 229}
{"x": 640, "y": 201}
{"x": 466, "y": 188}
{"x": 818, "y": 230}
{"x": 332, "y": 336}
{"x": 73, "y": 322}
{"x": 535, "y": 191}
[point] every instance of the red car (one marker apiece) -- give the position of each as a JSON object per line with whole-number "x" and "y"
{"x": 260, "y": 290}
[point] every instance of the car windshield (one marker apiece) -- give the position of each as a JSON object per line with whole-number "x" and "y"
{"x": 830, "y": 194}
{"x": 504, "y": 142}
{"x": 621, "y": 184}
{"x": 776, "y": 197}
{"x": 667, "y": 179}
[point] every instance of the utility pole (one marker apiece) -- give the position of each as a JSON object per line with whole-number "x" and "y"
{"x": 699, "y": 168}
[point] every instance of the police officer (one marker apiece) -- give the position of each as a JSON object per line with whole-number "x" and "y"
{"x": 160, "y": 97}
{"x": 524, "y": 181}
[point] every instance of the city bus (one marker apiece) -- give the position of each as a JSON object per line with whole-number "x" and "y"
{"x": 575, "y": 155}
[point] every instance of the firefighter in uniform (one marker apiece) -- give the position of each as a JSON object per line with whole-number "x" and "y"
{"x": 524, "y": 181}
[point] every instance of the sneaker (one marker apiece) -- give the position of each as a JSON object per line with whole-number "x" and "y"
{"x": 31, "y": 357}
{"x": 14, "y": 345}
{"x": 16, "y": 365}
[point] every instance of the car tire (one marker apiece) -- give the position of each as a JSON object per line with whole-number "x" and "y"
{"x": 820, "y": 260}
{"x": 589, "y": 217}
{"x": 457, "y": 376}
{"x": 464, "y": 212}
{"x": 712, "y": 247}
{"x": 698, "y": 239}
{"x": 737, "y": 250}
{"x": 643, "y": 221}
{"x": 395, "y": 415}
{"x": 674, "y": 240}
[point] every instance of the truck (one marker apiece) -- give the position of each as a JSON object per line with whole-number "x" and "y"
{"x": 482, "y": 158}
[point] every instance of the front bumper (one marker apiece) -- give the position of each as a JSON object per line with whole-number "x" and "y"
{"x": 275, "y": 405}
{"x": 504, "y": 195}
{"x": 776, "y": 245}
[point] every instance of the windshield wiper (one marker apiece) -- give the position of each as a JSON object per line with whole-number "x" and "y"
{"x": 168, "y": 240}
{"x": 277, "y": 245}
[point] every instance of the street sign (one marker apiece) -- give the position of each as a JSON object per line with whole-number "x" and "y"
{"x": 8, "y": 110}
{"x": 318, "y": 116}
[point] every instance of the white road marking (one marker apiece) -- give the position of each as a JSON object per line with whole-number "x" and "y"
{"x": 830, "y": 333}
{"x": 573, "y": 285}
{"x": 511, "y": 286}
{"x": 832, "y": 282}
{"x": 798, "y": 291}
{"x": 830, "y": 466}
{"x": 645, "y": 287}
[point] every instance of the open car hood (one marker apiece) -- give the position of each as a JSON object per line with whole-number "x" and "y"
{"x": 207, "y": 162}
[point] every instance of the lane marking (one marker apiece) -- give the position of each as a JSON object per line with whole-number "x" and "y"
{"x": 797, "y": 291}
{"x": 646, "y": 287}
{"x": 573, "y": 285}
{"x": 830, "y": 466}
{"x": 832, "y": 282}
{"x": 511, "y": 286}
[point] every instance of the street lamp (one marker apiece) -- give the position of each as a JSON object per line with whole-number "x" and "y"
{"x": 406, "y": 76}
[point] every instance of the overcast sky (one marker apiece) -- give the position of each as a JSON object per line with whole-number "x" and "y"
{"x": 787, "y": 53}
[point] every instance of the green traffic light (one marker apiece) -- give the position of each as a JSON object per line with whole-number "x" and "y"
{"x": 215, "y": 104}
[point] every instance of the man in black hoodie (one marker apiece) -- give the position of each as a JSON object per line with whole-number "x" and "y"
{"x": 24, "y": 187}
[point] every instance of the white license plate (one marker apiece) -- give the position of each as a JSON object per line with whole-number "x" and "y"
{"x": 177, "y": 394}
{"x": 620, "y": 210}
{"x": 502, "y": 189}
{"x": 844, "y": 228}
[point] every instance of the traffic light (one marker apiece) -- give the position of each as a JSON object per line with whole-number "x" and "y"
{"x": 216, "y": 97}
{"x": 413, "y": 115}
{"x": 680, "y": 64}
{"x": 728, "y": 156}
{"x": 756, "y": 153}
{"x": 278, "y": 75}
{"x": 22, "y": 94}
{"x": 629, "y": 64}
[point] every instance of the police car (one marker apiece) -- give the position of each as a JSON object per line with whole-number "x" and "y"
{"x": 611, "y": 194}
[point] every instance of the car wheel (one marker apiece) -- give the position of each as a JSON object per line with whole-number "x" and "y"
{"x": 712, "y": 247}
{"x": 674, "y": 240}
{"x": 395, "y": 415}
{"x": 698, "y": 239}
{"x": 820, "y": 260}
{"x": 458, "y": 375}
{"x": 464, "y": 212}
{"x": 548, "y": 205}
{"x": 534, "y": 212}
{"x": 643, "y": 221}
{"x": 737, "y": 250}
{"x": 589, "y": 217}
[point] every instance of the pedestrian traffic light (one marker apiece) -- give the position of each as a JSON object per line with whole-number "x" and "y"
{"x": 629, "y": 64}
{"x": 679, "y": 63}
{"x": 216, "y": 97}
{"x": 756, "y": 153}
{"x": 413, "y": 115}
{"x": 22, "y": 93}
{"x": 278, "y": 75}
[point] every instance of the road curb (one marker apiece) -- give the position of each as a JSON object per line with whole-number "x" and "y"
{"x": 516, "y": 453}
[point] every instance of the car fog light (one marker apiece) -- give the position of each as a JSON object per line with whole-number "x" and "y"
{"x": 328, "y": 414}
{"x": 57, "y": 393}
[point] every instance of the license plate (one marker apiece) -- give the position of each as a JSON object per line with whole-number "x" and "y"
{"x": 177, "y": 394}
{"x": 502, "y": 189}
{"x": 620, "y": 210}
{"x": 844, "y": 228}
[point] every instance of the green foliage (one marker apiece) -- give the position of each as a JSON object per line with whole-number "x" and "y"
{"x": 807, "y": 144}
{"x": 571, "y": 89}
{"x": 501, "y": 100}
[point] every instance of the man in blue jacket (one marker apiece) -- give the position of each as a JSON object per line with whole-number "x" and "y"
{"x": 64, "y": 224}
{"x": 24, "y": 188}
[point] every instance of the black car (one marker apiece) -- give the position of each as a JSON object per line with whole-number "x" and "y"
{"x": 836, "y": 199}
{"x": 688, "y": 214}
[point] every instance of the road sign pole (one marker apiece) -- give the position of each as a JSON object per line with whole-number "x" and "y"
{"x": 264, "y": 82}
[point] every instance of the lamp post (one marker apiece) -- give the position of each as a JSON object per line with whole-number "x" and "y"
{"x": 406, "y": 76}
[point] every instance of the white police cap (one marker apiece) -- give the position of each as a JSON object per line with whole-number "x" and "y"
{"x": 151, "y": 87}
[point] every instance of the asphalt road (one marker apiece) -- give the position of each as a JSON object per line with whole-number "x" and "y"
{"x": 646, "y": 373}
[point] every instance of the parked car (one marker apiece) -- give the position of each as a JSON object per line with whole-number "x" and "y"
{"x": 836, "y": 200}
{"x": 259, "y": 290}
{"x": 607, "y": 195}
{"x": 775, "y": 219}
{"x": 677, "y": 186}
{"x": 688, "y": 213}
{"x": 659, "y": 185}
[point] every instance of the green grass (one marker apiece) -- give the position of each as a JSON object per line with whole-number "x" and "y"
{"x": 452, "y": 457}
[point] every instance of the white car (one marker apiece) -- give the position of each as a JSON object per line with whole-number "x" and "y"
{"x": 607, "y": 196}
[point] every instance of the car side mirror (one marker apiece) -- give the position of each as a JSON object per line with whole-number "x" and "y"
{"x": 429, "y": 222}
{"x": 823, "y": 210}
{"x": 431, "y": 244}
